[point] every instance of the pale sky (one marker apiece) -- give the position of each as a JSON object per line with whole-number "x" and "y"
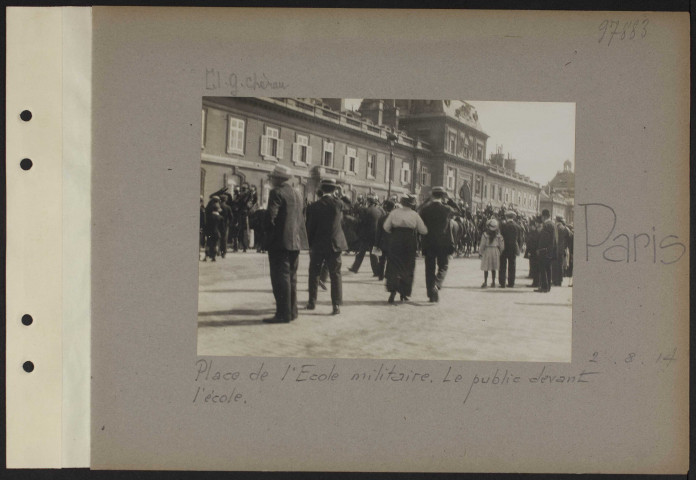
{"x": 540, "y": 135}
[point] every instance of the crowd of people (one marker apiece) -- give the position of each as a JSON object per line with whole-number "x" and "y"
{"x": 226, "y": 221}
{"x": 393, "y": 233}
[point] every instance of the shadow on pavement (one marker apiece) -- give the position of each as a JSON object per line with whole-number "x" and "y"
{"x": 239, "y": 311}
{"x": 230, "y": 323}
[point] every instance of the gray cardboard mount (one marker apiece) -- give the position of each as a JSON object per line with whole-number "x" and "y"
{"x": 632, "y": 151}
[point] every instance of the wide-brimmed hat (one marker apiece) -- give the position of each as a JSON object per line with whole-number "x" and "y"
{"x": 327, "y": 184}
{"x": 408, "y": 200}
{"x": 281, "y": 171}
{"x": 492, "y": 224}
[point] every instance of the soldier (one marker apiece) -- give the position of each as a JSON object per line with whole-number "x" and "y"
{"x": 326, "y": 243}
{"x": 368, "y": 218}
{"x": 226, "y": 214}
{"x": 286, "y": 236}
{"x": 233, "y": 203}
{"x": 511, "y": 233}
{"x": 438, "y": 243}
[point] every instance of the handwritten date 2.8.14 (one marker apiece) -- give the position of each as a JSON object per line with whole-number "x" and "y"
{"x": 612, "y": 30}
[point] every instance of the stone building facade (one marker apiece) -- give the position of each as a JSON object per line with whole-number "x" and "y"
{"x": 421, "y": 143}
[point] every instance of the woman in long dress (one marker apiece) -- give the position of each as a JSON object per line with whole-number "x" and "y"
{"x": 403, "y": 225}
{"x": 490, "y": 248}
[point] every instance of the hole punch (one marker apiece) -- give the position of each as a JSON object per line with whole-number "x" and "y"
{"x": 26, "y": 163}
{"x": 28, "y": 366}
{"x": 27, "y": 319}
{"x": 25, "y": 115}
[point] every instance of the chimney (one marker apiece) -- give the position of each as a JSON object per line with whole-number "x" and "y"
{"x": 337, "y": 104}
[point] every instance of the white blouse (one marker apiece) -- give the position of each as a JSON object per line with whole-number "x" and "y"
{"x": 405, "y": 218}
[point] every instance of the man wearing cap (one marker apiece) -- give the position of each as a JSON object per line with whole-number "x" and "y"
{"x": 438, "y": 243}
{"x": 511, "y": 233}
{"x": 560, "y": 262}
{"x": 285, "y": 237}
{"x": 326, "y": 242}
{"x": 546, "y": 251}
{"x": 368, "y": 219}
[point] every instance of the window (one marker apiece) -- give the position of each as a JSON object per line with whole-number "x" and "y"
{"x": 479, "y": 153}
{"x": 371, "y": 165}
{"x": 235, "y": 135}
{"x": 500, "y": 193}
{"x": 425, "y": 175}
{"x": 405, "y": 172}
{"x": 485, "y": 190}
{"x": 452, "y": 142}
{"x": 301, "y": 151}
{"x": 327, "y": 157}
{"x": 477, "y": 186}
{"x": 507, "y": 195}
{"x": 387, "y": 169}
{"x": 450, "y": 178}
{"x": 351, "y": 163}
{"x": 204, "y": 115}
{"x": 463, "y": 150}
{"x": 271, "y": 145}
{"x": 493, "y": 192}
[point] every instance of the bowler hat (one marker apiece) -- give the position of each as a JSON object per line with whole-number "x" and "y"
{"x": 328, "y": 182}
{"x": 510, "y": 214}
{"x": 281, "y": 171}
{"x": 440, "y": 190}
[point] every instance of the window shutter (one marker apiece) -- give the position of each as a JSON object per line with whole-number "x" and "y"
{"x": 264, "y": 145}
{"x": 296, "y": 152}
{"x": 309, "y": 155}
{"x": 281, "y": 147}
{"x": 357, "y": 162}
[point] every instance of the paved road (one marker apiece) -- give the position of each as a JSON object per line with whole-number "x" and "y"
{"x": 469, "y": 323}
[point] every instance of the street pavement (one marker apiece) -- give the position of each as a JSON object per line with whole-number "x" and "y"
{"x": 469, "y": 323}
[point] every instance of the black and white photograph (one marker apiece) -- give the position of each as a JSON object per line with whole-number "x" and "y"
{"x": 386, "y": 228}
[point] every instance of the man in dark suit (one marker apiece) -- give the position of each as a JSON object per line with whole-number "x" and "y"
{"x": 511, "y": 233}
{"x": 558, "y": 265}
{"x": 367, "y": 232}
{"x": 285, "y": 237}
{"x": 438, "y": 243}
{"x": 546, "y": 251}
{"x": 326, "y": 242}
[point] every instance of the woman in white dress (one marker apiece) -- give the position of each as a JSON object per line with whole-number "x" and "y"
{"x": 490, "y": 248}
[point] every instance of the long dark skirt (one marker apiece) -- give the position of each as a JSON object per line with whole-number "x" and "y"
{"x": 401, "y": 260}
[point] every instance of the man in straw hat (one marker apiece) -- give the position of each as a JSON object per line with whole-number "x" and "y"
{"x": 326, "y": 242}
{"x": 438, "y": 244}
{"x": 285, "y": 237}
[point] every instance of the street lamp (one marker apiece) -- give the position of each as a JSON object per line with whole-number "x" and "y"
{"x": 391, "y": 138}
